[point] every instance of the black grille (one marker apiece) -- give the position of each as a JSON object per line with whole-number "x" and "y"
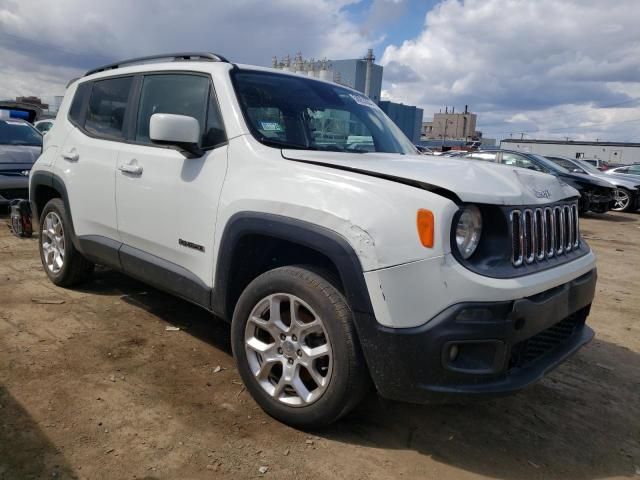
{"x": 13, "y": 193}
{"x": 531, "y": 349}
{"x": 538, "y": 234}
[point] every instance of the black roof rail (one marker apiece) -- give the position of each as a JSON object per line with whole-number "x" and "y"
{"x": 177, "y": 57}
{"x": 71, "y": 81}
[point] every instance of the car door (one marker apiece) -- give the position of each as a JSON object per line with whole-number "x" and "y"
{"x": 167, "y": 203}
{"x": 89, "y": 154}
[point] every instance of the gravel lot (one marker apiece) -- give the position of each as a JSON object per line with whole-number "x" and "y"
{"x": 93, "y": 385}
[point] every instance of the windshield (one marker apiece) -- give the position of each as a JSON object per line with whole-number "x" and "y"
{"x": 286, "y": 111}
{"x": 549, "y": 164}
{"x": 18, "y": 133}
{"x": 588, "y": 167}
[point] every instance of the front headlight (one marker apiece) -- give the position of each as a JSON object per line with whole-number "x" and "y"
{"x": 468, "y": 230}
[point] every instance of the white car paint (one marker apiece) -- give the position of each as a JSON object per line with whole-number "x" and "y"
{"x": 174, "y": 196}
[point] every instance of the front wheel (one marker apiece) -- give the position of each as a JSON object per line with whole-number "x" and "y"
{"x": 296, "y": 348}
{"x": 622, "y": 200}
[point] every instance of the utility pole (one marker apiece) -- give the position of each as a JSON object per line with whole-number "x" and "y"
{"x": 522, "y": 134}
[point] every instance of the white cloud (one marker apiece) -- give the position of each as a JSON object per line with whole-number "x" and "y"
{"x": 64, "y": 38}
{"x": 553, "y": 61}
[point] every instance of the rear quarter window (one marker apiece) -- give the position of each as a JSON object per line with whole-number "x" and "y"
{"x": 107, "y": 107}
{"x": 76, "y": 110}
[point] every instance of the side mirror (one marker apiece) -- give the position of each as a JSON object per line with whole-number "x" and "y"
{"x": 178, "y": 130}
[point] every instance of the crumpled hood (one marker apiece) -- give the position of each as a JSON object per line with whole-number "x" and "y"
{"x": 18, "y": 154}
{"x": 470, "y": 180}
{"x": 589, "y": 180}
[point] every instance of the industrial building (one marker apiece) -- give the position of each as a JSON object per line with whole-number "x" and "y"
{"x": 361, "y": 74}
{"x": 613, "y": 152}
{"x": 407, "y": 117}
{"x": 451, "y": 125}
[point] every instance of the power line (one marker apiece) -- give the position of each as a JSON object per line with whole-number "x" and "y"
{"x": 561, "y": 129}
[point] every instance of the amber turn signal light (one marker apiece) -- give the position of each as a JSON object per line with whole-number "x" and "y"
{"x": 426, "y": 228}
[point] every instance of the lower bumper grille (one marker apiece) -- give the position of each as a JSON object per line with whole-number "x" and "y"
{"x": 531, "y": 349}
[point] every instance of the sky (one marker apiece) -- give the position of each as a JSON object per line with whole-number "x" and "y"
{"x": 528, "y": 68}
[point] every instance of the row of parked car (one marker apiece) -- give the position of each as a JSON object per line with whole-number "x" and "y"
{"x": 601, "y": 189}
{"x": 615, "y": 189}
{"x": 20, "y": 146}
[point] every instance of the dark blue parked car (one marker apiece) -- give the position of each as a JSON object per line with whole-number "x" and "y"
{"x": 20, "y": 147}
{"x": 596, "y": 195}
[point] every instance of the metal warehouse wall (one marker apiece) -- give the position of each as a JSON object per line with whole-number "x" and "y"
{"x": 602, "y": 151}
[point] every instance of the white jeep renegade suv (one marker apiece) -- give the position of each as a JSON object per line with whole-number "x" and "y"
{"x": 296, "y": 210}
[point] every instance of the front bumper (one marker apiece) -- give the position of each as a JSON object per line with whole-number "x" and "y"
{"x": 596, "y": 202}
{"x": 501, "y": 346}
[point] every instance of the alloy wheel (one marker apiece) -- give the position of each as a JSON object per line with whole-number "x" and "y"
{"x": 621, "y": 200}
{"x": 288, "y": 350}
{"x": 53, "y": 242}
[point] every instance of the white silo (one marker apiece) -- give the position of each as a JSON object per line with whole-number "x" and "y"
{"x": 325, "y": 72}
{"x": 287, "y": 64}
{"x": 298, "y": 64}
{"x": 311, "y": 70}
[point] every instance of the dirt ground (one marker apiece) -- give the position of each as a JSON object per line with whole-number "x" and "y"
{"x": 92, "y": 385}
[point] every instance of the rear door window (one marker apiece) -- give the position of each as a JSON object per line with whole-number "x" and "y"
{"x": 107, "y": 107}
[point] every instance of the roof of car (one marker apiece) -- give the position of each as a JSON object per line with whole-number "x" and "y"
{"x": 175, "y": 57}
{"x": 124, "y": 68}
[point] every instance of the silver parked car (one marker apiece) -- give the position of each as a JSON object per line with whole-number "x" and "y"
{"x": 625, "y": 170}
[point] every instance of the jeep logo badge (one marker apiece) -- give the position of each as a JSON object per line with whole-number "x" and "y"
{"x": 542, "y": 193}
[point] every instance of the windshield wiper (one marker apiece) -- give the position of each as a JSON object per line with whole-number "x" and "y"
{"x": 331, "y": 148}
{"x": 299, "y": 146}
{"x": 274, "y": 142}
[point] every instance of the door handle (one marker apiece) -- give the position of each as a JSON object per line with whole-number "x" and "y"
{"x": 71, "y": 155}
{"x": 132, "y": 169}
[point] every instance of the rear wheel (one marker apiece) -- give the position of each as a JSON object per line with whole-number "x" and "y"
{"x": 621, "y": 200}
{"x": 62, "y": 263}
{"x": 296, "y": 348}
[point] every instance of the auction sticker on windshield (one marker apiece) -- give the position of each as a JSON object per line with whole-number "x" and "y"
{"x": 271, "y": 126}
{"x": 361, "y": 100}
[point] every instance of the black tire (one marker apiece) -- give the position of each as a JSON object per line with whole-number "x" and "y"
{"x": 349, "y": 380}
{"x": 75, "y": 267}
